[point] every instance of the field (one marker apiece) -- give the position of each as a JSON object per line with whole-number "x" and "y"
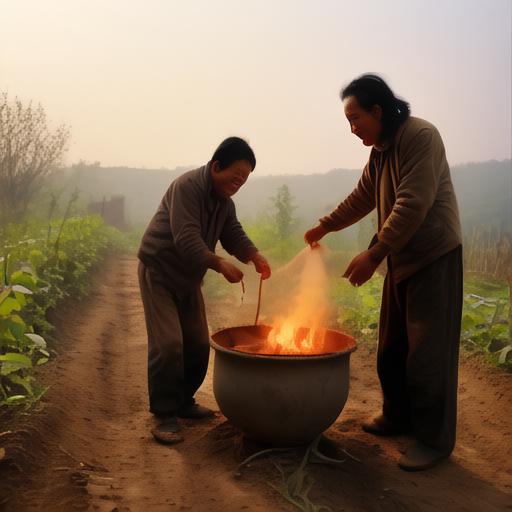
{"x": 89, "y": 444}
{"x": 75, "y": 427}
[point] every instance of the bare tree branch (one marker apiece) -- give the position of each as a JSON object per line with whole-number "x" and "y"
{"x": 29, "y": 151}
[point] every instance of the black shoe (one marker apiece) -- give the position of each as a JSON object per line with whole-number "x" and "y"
{"x": 194, "y": 412}
{"x": 381, "y": 426}
{"x": 419, "y": 457}
{"x": 168, "y": 431}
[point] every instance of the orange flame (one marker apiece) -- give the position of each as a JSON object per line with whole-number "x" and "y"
{"x": 301, "y": 329}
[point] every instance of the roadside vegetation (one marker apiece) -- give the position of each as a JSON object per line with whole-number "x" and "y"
{"x": 47, "y": 250}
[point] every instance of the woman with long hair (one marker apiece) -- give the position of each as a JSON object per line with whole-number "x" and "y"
{"x": 407, "y": 179}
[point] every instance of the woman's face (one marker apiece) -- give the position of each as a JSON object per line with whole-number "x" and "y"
{"x": 365, "y": 124}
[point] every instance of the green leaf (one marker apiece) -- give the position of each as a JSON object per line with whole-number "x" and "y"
{"x": 499, "y": 331}
{"x": 37, "y": 340}
{"x": 15, "y": 358}
{"x": 15, "y": 324}
{"x": 22, "y": 289}
{"x": 504, "y": 354}
{"x": 468, "y": 321}
{"x": 24, "y": 382}
{"x": 369, "y": 301}
{"x": 20, "y": 297}
{"x": 36, "y": 258}
{"x": 6, "y": 337}
{"x": 8, "y": 368}
{"x": 24, "y": 279}
{"x": 8, "y": 306}
{"x": 15, "y": 399}
{"x": 5, "y": 293}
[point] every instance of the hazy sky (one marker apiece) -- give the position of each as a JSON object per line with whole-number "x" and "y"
{"x": 159, "y": 83}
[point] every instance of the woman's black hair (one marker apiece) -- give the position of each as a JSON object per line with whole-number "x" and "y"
{"x": 231, "y": 150}
{"x": 372, "y": 90}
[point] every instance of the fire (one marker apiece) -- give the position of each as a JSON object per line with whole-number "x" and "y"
{"x": 301, "y": 329}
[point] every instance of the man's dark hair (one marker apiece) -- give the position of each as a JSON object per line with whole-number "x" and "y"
{"x": 231, "y": 150}
{"x": 372, "y": 90}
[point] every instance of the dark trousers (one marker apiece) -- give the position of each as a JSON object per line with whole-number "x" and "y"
{"x": 418, "y": 352}
{"x": 178, "y": 343}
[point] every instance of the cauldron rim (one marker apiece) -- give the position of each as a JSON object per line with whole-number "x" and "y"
{"x": 281, "y": 357}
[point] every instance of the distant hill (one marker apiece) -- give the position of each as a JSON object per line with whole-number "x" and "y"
{"x": 142, "y": 188}
{"x": 484, "y": 190}
{"x": 314, "y": 194}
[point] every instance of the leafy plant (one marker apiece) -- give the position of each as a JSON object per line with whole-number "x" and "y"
{"x": 359, "y": 308}
{"x": 38, "y": 272}
{"x": 485, "y": 321}
{"x": 20, "y": 347}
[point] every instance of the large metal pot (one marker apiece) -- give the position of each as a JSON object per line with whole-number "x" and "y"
{"x": 279, "y": 399}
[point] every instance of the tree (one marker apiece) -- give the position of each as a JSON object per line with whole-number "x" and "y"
{"x": 29, "y": 151}
{"x": 284, "y": 208}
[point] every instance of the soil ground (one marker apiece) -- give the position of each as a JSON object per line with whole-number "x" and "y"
{"x": 89, "y": 446}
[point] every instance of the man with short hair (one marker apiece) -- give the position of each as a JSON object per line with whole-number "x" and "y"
{"x": 176, "y": 250}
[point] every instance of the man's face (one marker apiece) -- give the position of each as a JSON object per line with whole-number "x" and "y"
{"x": 366, "y": 125}
{"x": 228, "y": 181}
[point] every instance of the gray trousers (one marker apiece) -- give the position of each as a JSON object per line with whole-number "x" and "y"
{"x": 178, "y": 343}
{"x": 418, "y": 352}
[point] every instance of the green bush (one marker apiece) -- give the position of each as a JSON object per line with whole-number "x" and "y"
{"x": 358, "y": 308}
{"x": 485, "y": 320}
{"x": 485, "y": 316}
{"x": 265, "y": 235}
{"x": 42, "y": 265}
{"x": 20, "y": 347}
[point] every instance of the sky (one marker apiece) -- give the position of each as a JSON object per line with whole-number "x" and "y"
{"x": 160, "y": 83}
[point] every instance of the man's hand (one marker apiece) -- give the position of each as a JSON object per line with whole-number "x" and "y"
{"x": 261, "y": 265}
{"x": 361, "y": 268}
{"x": 315, "y": 234}
{"x": 231, "y": 272}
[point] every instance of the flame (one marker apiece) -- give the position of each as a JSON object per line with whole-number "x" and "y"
{"x": 301, "y": 329}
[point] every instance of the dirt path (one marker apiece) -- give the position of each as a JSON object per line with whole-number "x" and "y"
{"x": 90, "y": 448}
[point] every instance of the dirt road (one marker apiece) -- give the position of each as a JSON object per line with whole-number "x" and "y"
{"x": 89, "y": 448}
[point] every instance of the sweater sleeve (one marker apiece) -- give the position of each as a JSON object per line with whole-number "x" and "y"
{"x": 356, "y": 206}
{"x": 183, "y": 202}
{"x": 417, "y": 189}
{"x": 234, "y": 239}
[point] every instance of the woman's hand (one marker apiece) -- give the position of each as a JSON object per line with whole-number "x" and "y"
{"x": 361, "y": 268}
{"x": 315, "y": 234}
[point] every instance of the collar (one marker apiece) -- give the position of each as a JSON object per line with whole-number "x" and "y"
{"x": 387, "y": 144}
{"x": 382, "y": 147}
